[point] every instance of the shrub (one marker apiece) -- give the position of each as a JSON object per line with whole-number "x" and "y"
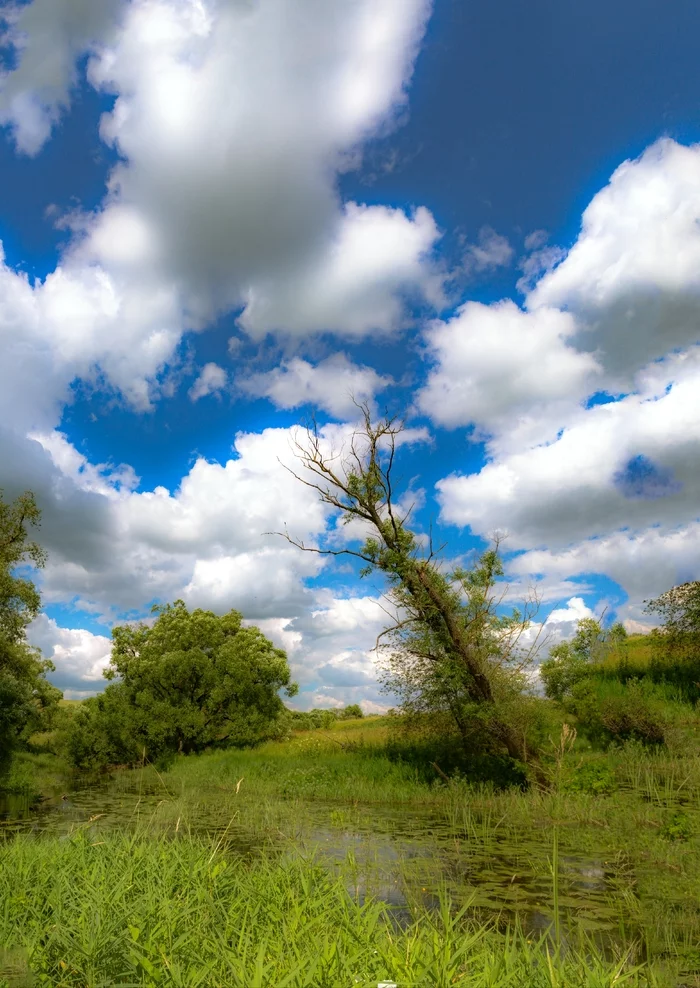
{"x": 612, "y": 711}
{"x": 594, "y": 778}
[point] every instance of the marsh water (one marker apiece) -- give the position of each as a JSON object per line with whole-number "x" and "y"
{"x": 398, "y": 854}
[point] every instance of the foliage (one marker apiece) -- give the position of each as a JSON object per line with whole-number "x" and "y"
{"x": 676, "y": 645}
{"x": 678, "y": 828}
{"x": 190, "y": 681}
{"x": 594, "y": 777}
{"x": 679, "y": 608}
{"x": 141, "y": 910}
{"x": 616, "y": 693}
{"x": 309, "y": 720}
{"x": 428, "y": 678}
{"x": 450, "y": 649}
{"x": 571, "y": 662}
{"x": 27, "y": 699}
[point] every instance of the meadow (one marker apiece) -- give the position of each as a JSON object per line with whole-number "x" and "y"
{"x": 328, "y": 859}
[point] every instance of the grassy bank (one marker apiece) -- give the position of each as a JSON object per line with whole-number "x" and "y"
{"x": 135, "y": 895}
{"x": 35, "y": 774}
{"x": 150, "y": 911}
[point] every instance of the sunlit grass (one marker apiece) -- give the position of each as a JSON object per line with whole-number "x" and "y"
{"x": 67, "y": 902}
{"x": 149, "y": 910}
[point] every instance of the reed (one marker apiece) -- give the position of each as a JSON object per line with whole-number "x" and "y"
{"x": 148, "y": 910}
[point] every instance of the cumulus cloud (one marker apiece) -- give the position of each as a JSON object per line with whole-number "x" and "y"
{"x": 212, "y": 379}
{"x": 80, "y": 657}
{"x": 607, "y": 485}
{"x": 101, "y": 478}
{"x": 559, "y": 625}
{"x": 334, "y": 384}
{"x": 587, "y": 482}
{"x": 644, "y": 562}
{"x": 356, "y": 285}
{"x": 113, "y": 549}
{"x": 48, "y": 37}
{"x": 336, "y": 651}
{"x": 632, "y": 277}
{"x": 281, "y": 96}
{"x": 507, "y": 372}
{"x": 255, "y": 220}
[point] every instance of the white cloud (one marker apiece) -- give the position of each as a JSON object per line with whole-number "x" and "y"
{"x": 212, "y": 380}
{"x": 331, "y": 385}
{"x": 645, "y": 562}
{"x": 559, "y": 625}
{"x": 355, "y": 285}
{"x": 507, "y": 372}
{"x": 49, "y": 36}
{"x": 490, "y": 251}
{"x": 632, "y": 279}
{"x": 102, "y": 478}
{"x": 80, "y": 657}
{"x": 611, "y": 488}
{"x": 282, "y": 96}
{"x": 346, "y": 616}
{"x": 632, "y": 463}
{"x": 113, "y": 550}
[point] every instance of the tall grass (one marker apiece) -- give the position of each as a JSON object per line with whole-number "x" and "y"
{"x": 149, "y": 911}
{"x": 314, "y": 769}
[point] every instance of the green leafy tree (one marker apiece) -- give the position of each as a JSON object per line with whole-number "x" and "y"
{"x": 679, "y": 610}
{"x": 190, "y": 681}
{"x": 676, "y": 644}
{"x": 452, "y": 651}
{"x": 571, "y": 662}
{"x": 590, "y": 676}
{"x": 351, "y": 712}
{"x": 27, "y": 699}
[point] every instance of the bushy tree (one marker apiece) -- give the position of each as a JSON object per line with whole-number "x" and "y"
{"x": 26, "y": 697}
{"x": 679, "y": 609}
{"x": 571, "y": 662}
{"x": 590, "y": 676}
{"x": 676, "y": 643}
{"x": 190, "y": 681}
{"x": 351, "y": 712}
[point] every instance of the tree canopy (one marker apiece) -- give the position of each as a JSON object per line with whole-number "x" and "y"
{"x": 570, "y": 662}
{"x": 679, "y": 609}
{"x": 26, "y": 696}
{"x": 191, "y": 680}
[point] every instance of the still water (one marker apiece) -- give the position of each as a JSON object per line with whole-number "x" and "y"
{"x": 394, "y": 853}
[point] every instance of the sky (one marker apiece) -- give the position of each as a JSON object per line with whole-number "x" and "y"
{"x": 219, "y": 217}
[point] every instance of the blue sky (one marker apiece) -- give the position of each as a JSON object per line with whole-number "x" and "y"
{"x": 219, "y": 216}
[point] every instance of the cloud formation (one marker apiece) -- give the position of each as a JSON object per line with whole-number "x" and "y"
{"x": 588, "y": 397}
{"x": 281, "y": 96}
{"x": 212, "y": 380}
{"x": 333, "y": 385}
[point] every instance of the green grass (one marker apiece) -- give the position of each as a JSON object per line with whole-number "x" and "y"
{"x": 150, "y": 911}
{"x": 33, "y": 774}
{"x": 161, "y": 905}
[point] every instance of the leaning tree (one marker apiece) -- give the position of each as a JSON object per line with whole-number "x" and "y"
{"x": 450, "y": 647}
